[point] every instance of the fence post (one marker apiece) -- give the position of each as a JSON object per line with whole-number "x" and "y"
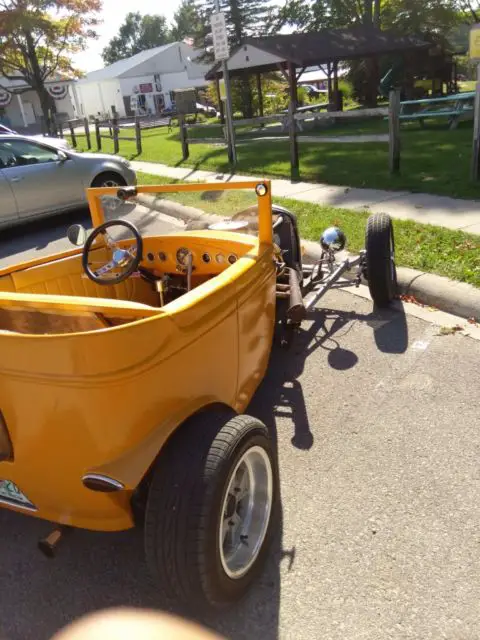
{"x": 183, "y": 136}
{"x": 97, "y": 134}
{"x": 475, "y": 165}
{"x": 394, "y": 131}
{"x": 138, "y": 136}
{"x": 72, "y": 134}
{"x": 87, "y": 132}
{"x": 115, "y": 134}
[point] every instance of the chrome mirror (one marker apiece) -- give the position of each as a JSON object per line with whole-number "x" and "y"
{"x": 77, "y": 234}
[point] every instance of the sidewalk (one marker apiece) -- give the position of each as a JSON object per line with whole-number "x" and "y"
{"x": 429, "y": 209}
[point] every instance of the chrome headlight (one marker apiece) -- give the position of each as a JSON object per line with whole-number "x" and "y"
{"x": 333, "y": 239}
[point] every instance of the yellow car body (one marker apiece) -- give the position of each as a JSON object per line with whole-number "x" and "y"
{"x": 82, "y": 394}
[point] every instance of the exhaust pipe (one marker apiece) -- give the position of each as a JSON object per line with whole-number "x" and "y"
{"x": 296, "y": 310}
{"x": 49, "y": 544}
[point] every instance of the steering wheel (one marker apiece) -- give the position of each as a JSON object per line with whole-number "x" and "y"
{"x": 125, "y": 259}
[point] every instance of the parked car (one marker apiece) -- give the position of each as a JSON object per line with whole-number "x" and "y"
{"x": 59, "y": 143}
{"x": 38, "y": 179}
{"x": 209, "y": 111}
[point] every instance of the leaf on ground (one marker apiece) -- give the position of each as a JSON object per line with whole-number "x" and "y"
{"x": 409, "y": 298}
{"x": 448, "y": 331}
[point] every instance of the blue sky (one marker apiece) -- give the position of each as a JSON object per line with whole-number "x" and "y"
{"x": 112, "y": 17}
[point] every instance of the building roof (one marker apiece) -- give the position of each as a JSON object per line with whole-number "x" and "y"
{"x": 120, "y": 67}
{"x": 326, "y": 45}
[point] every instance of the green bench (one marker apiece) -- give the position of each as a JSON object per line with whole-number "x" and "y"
{"x": 456, "y": 107}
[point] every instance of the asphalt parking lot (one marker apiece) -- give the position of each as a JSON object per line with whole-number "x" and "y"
{"x": 376, "y": 421}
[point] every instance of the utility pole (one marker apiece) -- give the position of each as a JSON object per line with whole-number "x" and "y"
{"x": 220, "y": 45}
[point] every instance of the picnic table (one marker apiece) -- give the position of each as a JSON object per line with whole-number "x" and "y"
{"x": 309, "y": 107}
{"x": 456, "y": 107}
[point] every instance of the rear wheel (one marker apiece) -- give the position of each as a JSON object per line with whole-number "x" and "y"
{"x": 381, "y": 271}
{"x": 109, "y": 179}
{"x": 210, "y": 510}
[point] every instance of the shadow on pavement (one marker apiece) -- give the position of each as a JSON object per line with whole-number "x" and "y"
{"x": 95, "y": 571}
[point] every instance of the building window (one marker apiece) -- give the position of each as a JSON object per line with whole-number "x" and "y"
{"x": 158, "y": 82}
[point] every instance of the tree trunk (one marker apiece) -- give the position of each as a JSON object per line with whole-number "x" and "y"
{"x": 37, "y": 83}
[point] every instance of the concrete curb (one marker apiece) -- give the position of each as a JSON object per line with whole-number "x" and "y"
{"x": 457, "y": 298}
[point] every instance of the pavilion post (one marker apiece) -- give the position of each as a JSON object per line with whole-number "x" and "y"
{"x": 330, "y": 90}
{"x": 394, "y": 131}
{"x": 292, "y": 107}
{"x": 260, "y": 94}
{"x": 336, "y": 93}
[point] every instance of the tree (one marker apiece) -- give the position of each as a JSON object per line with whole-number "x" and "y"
{"x": 470, "y": 8}
{"x": 137, "y": 33}
{"x": 187, "y": 22}
{"x": 243, "y": 18}
{"x": 38, "y": 38}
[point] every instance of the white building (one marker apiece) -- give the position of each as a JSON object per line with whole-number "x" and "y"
{"x": 20, "y": 106}
{"x": 151, "y": 75}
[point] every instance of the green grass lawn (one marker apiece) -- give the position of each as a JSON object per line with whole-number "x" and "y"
{"x": 425, "y": 247}
{"x": 434, "y": 160}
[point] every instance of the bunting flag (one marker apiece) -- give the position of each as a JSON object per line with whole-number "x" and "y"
{"x": 5, "y": 98}
{"x": 58, "y": 91}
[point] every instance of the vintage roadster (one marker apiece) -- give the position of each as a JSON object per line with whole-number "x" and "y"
{"x": 127, "y": 364}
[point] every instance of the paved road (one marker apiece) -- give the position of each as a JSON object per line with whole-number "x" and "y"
{"x": 376, "y": 420}
{"x": 48, "y": 236}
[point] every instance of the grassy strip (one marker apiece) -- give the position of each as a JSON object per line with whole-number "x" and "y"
{"x": 454, "y": 254}
{"x": 434, "y": 160}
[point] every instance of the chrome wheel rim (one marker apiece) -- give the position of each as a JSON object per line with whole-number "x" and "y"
{"x": 245, "y": 514}
{"x": 110, "y": 183}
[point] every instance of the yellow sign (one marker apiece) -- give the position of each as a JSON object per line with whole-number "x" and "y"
{"x": 474, "y": 49}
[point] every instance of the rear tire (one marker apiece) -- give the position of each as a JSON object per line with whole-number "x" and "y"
{"x": 109, "y": 179}
{"x": 381, "y": 271}
{"x": 193, "y": 501}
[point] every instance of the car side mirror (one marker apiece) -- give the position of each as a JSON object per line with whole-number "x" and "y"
{"x": 77, "y": 234}
{"x": 62, "y": 157}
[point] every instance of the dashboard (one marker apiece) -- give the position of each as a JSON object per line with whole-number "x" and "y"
{"x": 165, "y": 255}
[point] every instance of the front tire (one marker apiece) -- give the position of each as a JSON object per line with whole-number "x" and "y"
{"x": 381, "y": 271}
{"x": 109, "y": 179}
{"x": 210, "y": 511}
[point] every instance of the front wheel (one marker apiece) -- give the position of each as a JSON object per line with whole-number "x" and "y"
{"x": 381, "y": 271}
{"x": 210, "y": 511}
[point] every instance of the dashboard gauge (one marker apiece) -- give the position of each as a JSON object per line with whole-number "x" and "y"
{"x": 232, "y": 258}
{"x": 162, "y": 256}
{"x": 220, "y": 258}
{"x": 206, "y": 257}
{"x": 182, "y": 256}
{"x": 150, "y": 257}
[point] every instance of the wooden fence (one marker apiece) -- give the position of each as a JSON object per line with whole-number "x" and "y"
{"x": 116, "y": 127}
{"x": 293, "y": 124}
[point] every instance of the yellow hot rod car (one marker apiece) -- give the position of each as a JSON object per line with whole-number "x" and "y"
{"x": 127, "y": 364}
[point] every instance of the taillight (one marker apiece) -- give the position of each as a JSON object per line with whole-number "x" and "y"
{"x": 6, "y": 449}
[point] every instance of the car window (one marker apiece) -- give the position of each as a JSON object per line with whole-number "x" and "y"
{"x": 19, "y": 153}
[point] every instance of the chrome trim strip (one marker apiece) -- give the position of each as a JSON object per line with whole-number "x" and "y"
{"x": 18, "y": 505}
{"x": 118, "y": 486}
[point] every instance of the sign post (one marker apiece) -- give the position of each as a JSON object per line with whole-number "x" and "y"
{"x": 474, "y": 52}
{"x": 221, "y": 49}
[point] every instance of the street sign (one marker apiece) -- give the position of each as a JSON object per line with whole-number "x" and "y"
{"x": 474, "y": 48}
{"x": 220, "y": 36}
